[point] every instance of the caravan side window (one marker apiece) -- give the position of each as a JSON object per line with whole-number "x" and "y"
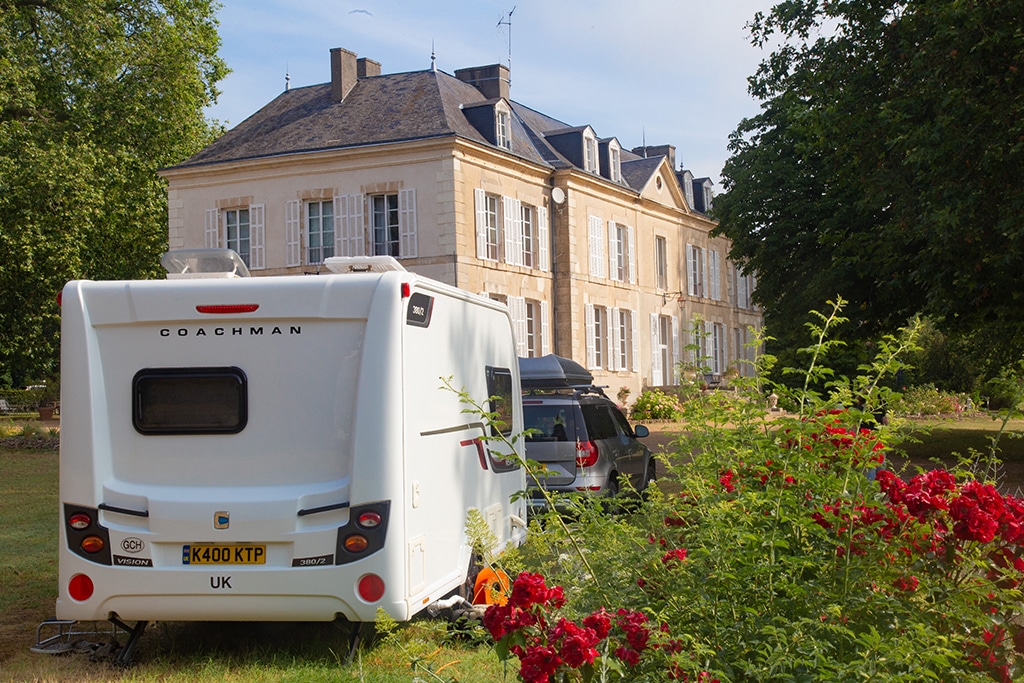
{"x": 499, "y": 389}
{"x": 190, "y": 401}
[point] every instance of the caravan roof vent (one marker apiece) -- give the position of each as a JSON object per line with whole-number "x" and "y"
{"x": 203, "y": 263}
{"x": 362, "y": 264}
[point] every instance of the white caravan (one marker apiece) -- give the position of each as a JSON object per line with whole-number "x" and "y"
{"x": 278, "y": 448}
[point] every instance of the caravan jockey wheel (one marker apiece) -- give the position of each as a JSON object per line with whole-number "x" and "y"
{"x": 492, "y": 587}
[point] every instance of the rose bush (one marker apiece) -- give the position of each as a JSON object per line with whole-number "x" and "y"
{"x": 768, "y": 552}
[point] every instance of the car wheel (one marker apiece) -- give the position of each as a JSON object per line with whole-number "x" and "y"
{"x": 612, "y": 488}
{"x": 650, "y": 475}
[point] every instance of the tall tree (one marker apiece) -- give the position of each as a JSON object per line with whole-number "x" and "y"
{"x": 886, "y": 166}
{"x": 95, "y": 96}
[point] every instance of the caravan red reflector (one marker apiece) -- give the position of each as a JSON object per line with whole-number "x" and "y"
{"x": 371, "y": 587}
{"x": 406, "y": 290}
{"x": 80, "y": 587}
{"x": 221, "y": 309}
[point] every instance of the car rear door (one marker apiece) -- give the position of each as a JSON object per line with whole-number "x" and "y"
{"x": 551, "y": 438}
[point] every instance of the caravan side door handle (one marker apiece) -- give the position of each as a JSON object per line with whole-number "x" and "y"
{"x": 478, "y": 442}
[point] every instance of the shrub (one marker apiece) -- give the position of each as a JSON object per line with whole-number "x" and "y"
{"x": 774, "y": 552}
{"x": 655, "y": 404}
{"x": 927, "y": 400}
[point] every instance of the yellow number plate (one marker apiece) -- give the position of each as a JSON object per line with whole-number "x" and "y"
{"x": 214, "y": 553}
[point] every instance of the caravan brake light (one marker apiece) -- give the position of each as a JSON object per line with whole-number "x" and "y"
{"x": 79, "y": 521}
{"x": 406, "y": 290}
{"x": 223, "y": 309}
{"x": 369, "y": 519}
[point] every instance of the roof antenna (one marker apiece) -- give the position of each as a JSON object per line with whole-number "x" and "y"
{"x": 643, "y": 138}
{"x": 508, "y": 22}
{"x": 287, "y": 78}
{"x": 433, "y": 57}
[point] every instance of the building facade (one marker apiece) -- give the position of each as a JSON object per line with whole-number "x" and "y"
{"x": 602, "y": 254}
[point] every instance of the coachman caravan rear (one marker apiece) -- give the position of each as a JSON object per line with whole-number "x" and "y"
{"x": 278, "y": 448}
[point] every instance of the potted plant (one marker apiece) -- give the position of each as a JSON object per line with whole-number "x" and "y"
{"x": 49, "y": 399}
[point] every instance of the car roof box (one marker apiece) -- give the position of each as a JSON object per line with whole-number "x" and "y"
{"x": 553, "y": 372}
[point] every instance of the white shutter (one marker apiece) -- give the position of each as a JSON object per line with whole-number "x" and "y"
{"x": 545, "y": 328}
{"x": 508, "y": 219}
{"x": 543, "y": 248}
{"x": 211, "y": 229}
{"x": 716, "y": 288}
{"x": 630, "y": 236}
{"x": 656, "y": 372}
{"x": 614, "y": 247}
{"x": 704, "y": 291}
{"x": 407, "y": 245}
{"x": 588, "y": 318}
{"x": 691, "y": 269}
{"x": 293, "y": 232}
{"x": 676, "y": 350}
{"x": 480, "y": 200}
{"x": 257, "y": 237}
{"x": 634, "y": 340}
{"x": 609, "y": 349}
{"x": 615, "y": 337}
{"x": 517, "y": 307}
{"x": 596, "y": 245}
{"x": 348, "y": 232}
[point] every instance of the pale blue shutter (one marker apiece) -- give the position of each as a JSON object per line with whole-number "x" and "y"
{"x": 543, "y": 248}
{"x": 656, "y": 370}
{"x": 211, "y": 229}
{"x": 480, "y": 201}
{"x": 545, "y": 328}
{"x": 588, "y": 319}
{"x": 257, "y": 237}
{"x": 631, "y": 237}
{"x": 293, "y": 232}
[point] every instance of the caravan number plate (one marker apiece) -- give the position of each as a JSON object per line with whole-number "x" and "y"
{"x": 214, "y": 553}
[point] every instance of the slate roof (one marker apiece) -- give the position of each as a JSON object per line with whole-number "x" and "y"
{"x": 390, "y": 108}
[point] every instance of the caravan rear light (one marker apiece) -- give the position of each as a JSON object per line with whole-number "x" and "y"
{"x": 79, "y": 521}
{"x": 371, "y": 587}
{"x": 92, "y": 544}
{"x": 586, "y": 453}
{"x": 226, "y": 308}
{"x": 80, "y": 587}
{"x": 356, "y": 543}
{"x": 406, "y": 290}
{"x": 369, "y": 519}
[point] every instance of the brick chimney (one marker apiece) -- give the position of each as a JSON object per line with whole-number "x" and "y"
{"x": 366, "y": 67}
{"x": 344, "y": 72}
{"x": 491, "y": 80}
{"x": 658, "y": 151}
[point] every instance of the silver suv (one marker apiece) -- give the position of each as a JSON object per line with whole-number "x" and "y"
{"x": 579, "y": 435}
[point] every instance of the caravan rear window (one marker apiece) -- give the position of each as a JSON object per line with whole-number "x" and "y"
{"x": 499, "y": 387}
{"x": 189, "y": 401}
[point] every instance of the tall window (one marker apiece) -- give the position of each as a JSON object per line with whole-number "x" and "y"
{"x": 696, "y": 268}
{"x": 661, "y": 262}
{"x": 614, "y": 163}
{"x": 528, "y": 236}
{"x": 600, "y": 332}
{"x": 385, "y": 225}
{"x": 620, "y": 256}
{"x": 236, "y": 223}
{"x": 533, "y": 323}
{"x": 492, "y": 232}
{"x": 319, "y": 231}
{"x": 624, "y": 350}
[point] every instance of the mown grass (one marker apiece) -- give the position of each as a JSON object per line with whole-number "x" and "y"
{"x": 428, "y": 650}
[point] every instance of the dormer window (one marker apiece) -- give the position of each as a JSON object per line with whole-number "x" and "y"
{"x": 502, "y": 126}
{"x": 589, "y": 151}
{"x": 614, "y": 162}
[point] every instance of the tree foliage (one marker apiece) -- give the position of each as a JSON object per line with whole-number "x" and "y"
{"x": 95, "y": 95}
{"x": 886, "y": 166}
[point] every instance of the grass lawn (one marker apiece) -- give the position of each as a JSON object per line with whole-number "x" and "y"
{"x": 196, "y": 651}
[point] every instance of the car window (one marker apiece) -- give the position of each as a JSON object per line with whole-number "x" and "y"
{"x": 621, "y": 421}
{"x": 551, "y": 422}
{"x": 600, "y": 424}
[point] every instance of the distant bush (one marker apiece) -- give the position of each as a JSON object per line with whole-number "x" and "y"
{"x": 655, "y": 404}
{"x": 927, "y": 400}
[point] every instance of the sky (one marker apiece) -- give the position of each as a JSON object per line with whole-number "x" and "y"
{"x": 656, "y": 71}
